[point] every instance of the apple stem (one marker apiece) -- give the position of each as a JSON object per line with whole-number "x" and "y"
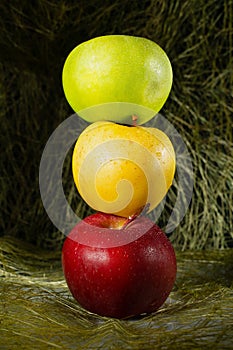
{"x": 129, "y": 220}
{"x": 140, "y": 212}
{"x": 134, "y": 120}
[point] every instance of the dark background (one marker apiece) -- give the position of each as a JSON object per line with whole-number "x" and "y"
{"x": 35, "y": 39}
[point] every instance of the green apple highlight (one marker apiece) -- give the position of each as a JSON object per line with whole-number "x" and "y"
{"x": 115, "y": 77}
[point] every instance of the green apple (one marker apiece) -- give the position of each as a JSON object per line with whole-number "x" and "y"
{"x": 117, "y": 77}
{"x": 121, "y": 169}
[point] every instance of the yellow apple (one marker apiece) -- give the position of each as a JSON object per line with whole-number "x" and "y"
{"x": 120, "y": 169}
{"x": 113, "y": 77}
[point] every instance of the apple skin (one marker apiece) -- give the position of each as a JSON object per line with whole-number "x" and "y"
{"x": 119, "y": 281}
{"x": 120, "y": 169}
{"x": 114, "y": 76}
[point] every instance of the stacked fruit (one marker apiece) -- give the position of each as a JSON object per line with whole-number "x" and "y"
{"x": 117, "y": 262}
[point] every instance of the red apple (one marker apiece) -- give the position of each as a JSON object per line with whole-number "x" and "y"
{"x": 118, "y": 268}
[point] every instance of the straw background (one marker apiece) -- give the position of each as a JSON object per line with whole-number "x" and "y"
{"x": 36, "y": 309}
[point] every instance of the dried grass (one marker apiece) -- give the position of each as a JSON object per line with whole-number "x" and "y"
{"x": 38, "y": 312}
{"x": 35, "y": 40}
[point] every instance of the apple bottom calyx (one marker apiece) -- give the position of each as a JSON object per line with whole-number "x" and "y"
{"x": 118, "y": 280}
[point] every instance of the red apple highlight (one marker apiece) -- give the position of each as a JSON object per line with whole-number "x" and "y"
{"x": 118, "y": 280}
